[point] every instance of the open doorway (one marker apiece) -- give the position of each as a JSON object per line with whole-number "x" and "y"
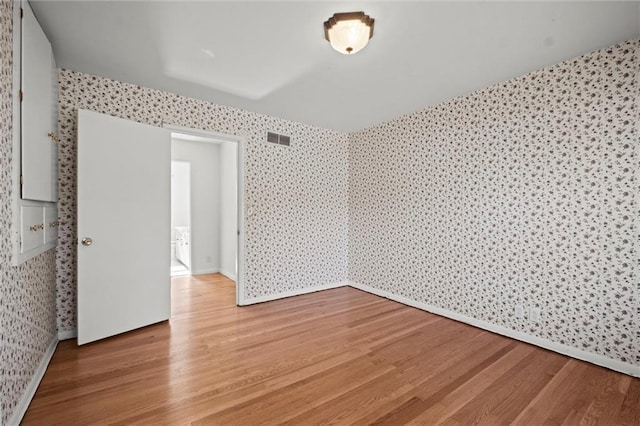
{"x": 207, "y": 225}
{"x": 180, "y": 218}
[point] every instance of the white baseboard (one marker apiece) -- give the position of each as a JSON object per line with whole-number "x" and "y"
{"x": 67, "y": 334}
{"x": 271, "y": 297}
{"x": 30, "y": 391}
{"x": 229, "y": 275}
{"x": 205, "y": 271}
{"x": 623, "y": 367}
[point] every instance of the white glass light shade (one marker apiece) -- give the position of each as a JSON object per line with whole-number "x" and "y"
{"x": 349, "y": 32}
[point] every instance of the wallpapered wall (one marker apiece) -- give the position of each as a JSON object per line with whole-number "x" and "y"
{"x": 27, "y": 293}
{"x": 297, "y": 237}
{"x": 525, "y": 192}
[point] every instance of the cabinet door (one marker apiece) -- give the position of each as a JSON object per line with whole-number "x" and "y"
{"x": 32, "y": 228}
{"x": 51, "y": 225}
{"x": 39, "y": 151}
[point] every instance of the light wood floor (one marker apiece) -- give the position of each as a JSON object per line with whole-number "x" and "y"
{"x": 339, "y": 356}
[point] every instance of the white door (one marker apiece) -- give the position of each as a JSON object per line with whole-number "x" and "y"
{"x": 124, "y": 205}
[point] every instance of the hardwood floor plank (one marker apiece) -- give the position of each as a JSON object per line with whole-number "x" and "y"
{"x": 607, "y": 401}
{"x": 211, "y": 399}
{"x": 569, "y": 409}
{"x": 539, "y": 408}
{"x": 451, "y": 361}
{"x": 629, "y": 413}
{"x": 296, "y": 398}
{"x": 418, "y": 406}
{"x": 356, "y": 403}
{"x": 339, "y": 356}
{"x": 477, "y": 385}
{"x": 510, "y": 394}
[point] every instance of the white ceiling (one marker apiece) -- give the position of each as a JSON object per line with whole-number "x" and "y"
{"x": 271, "y": 57}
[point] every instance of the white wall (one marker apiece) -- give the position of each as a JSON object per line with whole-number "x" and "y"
{"x": 180, "y": 195}
{"x": 228, "y": 208}
{"x": 205, "y": 208}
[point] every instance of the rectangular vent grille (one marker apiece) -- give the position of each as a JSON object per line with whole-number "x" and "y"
{"x": 278, "y": 139}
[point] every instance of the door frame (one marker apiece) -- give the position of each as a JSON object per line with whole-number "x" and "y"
{"x": 240, "y": 142}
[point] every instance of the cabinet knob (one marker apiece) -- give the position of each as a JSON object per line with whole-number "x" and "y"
{"x": 87, "y": 241}
{"x": 53, "y": 136}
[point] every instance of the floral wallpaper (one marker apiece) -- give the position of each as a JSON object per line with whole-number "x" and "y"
{"x": 526, "y": 192}
{"x": 297, "y": 236}
{"x": 27, "y": 292}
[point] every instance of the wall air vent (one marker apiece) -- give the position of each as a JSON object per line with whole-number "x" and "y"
{"x": 278, "y": 139}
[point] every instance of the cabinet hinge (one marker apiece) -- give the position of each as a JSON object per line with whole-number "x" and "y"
{"x": 21, "y": 180}
{"x": 21, "y": 95}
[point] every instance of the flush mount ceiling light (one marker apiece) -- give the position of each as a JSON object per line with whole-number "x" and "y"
{"x": 348, "y": 32}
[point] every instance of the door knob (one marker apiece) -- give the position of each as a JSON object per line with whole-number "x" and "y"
{"x": 87, "y": 241}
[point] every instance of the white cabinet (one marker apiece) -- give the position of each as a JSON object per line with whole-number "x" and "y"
{"x": 51, "y": 223}
{"x": 32, "y": 228}
{"x": 35, "y": 161}
{"x": 38, "y": 228}
{"x": 38, "y": 112}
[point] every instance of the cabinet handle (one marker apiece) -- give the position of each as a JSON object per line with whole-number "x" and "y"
{"x": 54, "y": 224}
{"x": 53, "y": 136}
{"x": 36, "y": 228}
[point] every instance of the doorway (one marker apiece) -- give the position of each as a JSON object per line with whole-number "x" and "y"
{"x": 180, "y": 218}
{"x": 213, "y": 227}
